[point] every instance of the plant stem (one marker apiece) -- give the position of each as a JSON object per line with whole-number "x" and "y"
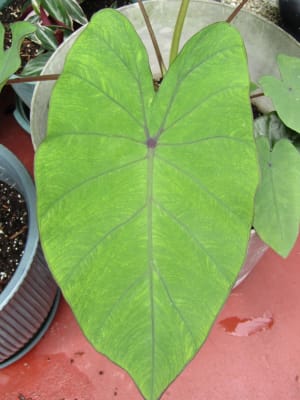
{"x": 260, "y": 94}
{"x": 39, "y": 78}
{"x": 178, "y": 29}
{"x": 236, "y": 11}
{"x": 153, "y": 38}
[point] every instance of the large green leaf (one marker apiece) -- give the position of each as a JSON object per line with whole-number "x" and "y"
{"x": 277, "y": 202}
{"x": 285, "y": 93}
{"x": 145, "y": 198}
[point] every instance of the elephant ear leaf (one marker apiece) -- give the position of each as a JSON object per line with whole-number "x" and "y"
{"x": 285, "y": 93}
{"x": 145, "y": 198}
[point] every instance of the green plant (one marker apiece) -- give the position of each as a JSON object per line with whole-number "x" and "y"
{"x": 148, "y": 250}
{"x": 54, "y": 21}
{"x": 277, "y": 203}
{"x": 145, "y": 197}
{"x": 10, "y": 59}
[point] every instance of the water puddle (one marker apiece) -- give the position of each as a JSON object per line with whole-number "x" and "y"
{"x": 247, "y": 326}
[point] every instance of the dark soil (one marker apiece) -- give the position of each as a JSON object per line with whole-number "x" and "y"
{"x": 13, "y": 231}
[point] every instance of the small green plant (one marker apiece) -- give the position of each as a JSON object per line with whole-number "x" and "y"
{"x": 277, "y": 202}
{"x": 10, "y": 59}
{"x": 54, "y": 21}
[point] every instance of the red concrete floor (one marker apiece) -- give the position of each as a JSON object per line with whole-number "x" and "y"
{"x": 252, "y": 352}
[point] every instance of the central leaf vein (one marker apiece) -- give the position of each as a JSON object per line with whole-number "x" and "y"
{"x": 150, "y": 173}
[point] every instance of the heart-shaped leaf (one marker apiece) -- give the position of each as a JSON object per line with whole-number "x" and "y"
{"x": 145, "y": 198}
{"x": 285, "y": 93}
{"x": 277, "y": 202}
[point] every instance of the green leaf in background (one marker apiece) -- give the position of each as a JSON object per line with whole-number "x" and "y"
{"x": 10, "y": 59}
{"x": 285, "y": 93}
{"x": 145, "y": 199}
{"x": 75, "y": 11}
{"x": 36, "y": 4}
{"x": 46, "y": 37}
{"x": 35, "y": 66}
{"x": 65, "y": 11}
{"x": 253, "y": 86}
{"x": 277, "y": 202}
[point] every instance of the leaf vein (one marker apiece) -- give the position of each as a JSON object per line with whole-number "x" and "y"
{"x": 105, "y": 94}
{"x": 94, "y": 248}
{"x": 181, "y": 80}
{"x": 189, "y": 233}
{"x": 100, "y": 134}
{"x": 191, "y": 110}
{"x": 216, "y": 137}
{"x": 188, "y": 328}
{"x": 198, "y": 183}
{"x": 88, "y": 181}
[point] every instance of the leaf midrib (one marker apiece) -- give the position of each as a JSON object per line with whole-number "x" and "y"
{"x": 149, "y": 202}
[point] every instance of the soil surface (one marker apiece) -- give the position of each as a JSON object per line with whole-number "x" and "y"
{"x": 13, "y": 231}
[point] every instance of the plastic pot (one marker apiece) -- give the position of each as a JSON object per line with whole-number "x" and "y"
{"x": 29, "y": 301}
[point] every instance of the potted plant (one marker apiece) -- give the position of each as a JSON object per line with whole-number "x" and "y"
{"x": 153, "y": 189}
{"x": 54, "y": 22}
{"x": 28, "y": 294}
